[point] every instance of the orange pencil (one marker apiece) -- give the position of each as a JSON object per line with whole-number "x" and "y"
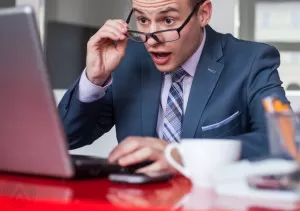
{"x": 286, "y": 124}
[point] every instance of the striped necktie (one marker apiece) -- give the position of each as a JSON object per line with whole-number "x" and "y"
{"x": 174, "y": 109}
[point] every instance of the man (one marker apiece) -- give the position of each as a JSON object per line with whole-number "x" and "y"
{"x": 178, "y": 79}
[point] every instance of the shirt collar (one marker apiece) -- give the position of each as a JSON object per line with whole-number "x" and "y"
{"x": 190, "y": 65}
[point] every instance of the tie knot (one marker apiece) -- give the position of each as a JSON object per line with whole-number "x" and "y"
{"x": 178, "y": 75}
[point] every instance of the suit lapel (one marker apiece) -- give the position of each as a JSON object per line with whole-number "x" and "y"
{"x": 151, "y": 88}
{"x": 205, "y": 79}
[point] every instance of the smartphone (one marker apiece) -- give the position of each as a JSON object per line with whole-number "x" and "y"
{"x": 139, "y": 178}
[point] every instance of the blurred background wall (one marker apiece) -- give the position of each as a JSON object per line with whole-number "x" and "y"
{"x": 7, "y": 3}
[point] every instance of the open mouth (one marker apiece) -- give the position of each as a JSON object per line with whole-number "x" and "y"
{"x": 160, "y": 57}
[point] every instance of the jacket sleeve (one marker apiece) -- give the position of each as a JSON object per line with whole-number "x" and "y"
{"x": 263, "y": 81}
{"x": 85, "y": 122}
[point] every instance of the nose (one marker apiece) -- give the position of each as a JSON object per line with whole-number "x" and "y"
{"x": 153, "y": 28}
{"x": 151, "y": 41}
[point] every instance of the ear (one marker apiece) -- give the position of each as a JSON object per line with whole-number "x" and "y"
{"x": 204, "y": 13}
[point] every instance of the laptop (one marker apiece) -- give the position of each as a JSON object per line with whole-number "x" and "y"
{"x": 32, "y": 139}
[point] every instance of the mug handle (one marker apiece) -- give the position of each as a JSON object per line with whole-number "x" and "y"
{"x": 176, "y": 165}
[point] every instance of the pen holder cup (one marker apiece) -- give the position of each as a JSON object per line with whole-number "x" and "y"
{"x": 284, "y": 134}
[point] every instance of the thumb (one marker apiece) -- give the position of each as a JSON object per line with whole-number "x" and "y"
{"x": 121, "y": 47}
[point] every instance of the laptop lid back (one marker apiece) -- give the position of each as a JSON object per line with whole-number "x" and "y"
{"x": 31, "y": 134}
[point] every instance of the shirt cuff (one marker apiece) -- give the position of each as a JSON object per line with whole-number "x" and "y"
{"x": 89, "y": 92}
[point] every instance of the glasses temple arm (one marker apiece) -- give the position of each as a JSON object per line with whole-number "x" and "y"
{"x": 129, "y": 16}
{"x": 196, "y": 8}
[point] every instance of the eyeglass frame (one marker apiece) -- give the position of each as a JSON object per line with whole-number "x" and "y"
{"x": 152, "y": 34}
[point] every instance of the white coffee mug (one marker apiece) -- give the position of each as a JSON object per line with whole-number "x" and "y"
{"x": 201, "y": 157}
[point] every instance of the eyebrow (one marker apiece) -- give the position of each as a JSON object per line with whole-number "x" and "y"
{"x": 168, "y": 9}
{"x": 164, "y": 11}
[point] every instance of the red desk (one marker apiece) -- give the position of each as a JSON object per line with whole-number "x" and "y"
{"x": 38, "y": 194}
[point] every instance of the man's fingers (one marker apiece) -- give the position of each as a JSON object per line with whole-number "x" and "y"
{"x": 117, "y": 26}
{"x": 97, "y": 38}
{"x": 160, "y": 165}
{"x": 112, "y": 29}
{"x": 121, "y": 21}
{"x": 146, "y": 153}
{"x": 117, "y": 22}
{"x": 108, "y": 29}
{"x": 132, "y": 144}
{"x": 121, "y": 47}
{"x": 110, "y": 35}
{"x": 115, "y": 30}
{"x": 127, "y": 146}
{"x": 113, "y": 26}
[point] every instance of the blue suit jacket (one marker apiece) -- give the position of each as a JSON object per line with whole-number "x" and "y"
{"x": 232, "y": 78}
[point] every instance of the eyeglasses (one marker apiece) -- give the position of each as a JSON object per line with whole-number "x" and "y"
{"x": 167, "y": 35}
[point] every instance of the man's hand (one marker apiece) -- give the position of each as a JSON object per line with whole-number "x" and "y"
{"x": 105, "y": 50}
{"x": 138, "y": 149}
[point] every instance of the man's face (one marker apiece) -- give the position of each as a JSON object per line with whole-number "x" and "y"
{"x": 156, "y": 15}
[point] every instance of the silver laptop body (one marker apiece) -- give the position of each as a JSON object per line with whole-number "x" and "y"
{"x": 32, "y": 139}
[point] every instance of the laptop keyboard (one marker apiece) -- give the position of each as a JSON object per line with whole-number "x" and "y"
{"x": 87, "y": 157}
{"x": 84, "y": 161}
{"x": 80, "y": 160}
